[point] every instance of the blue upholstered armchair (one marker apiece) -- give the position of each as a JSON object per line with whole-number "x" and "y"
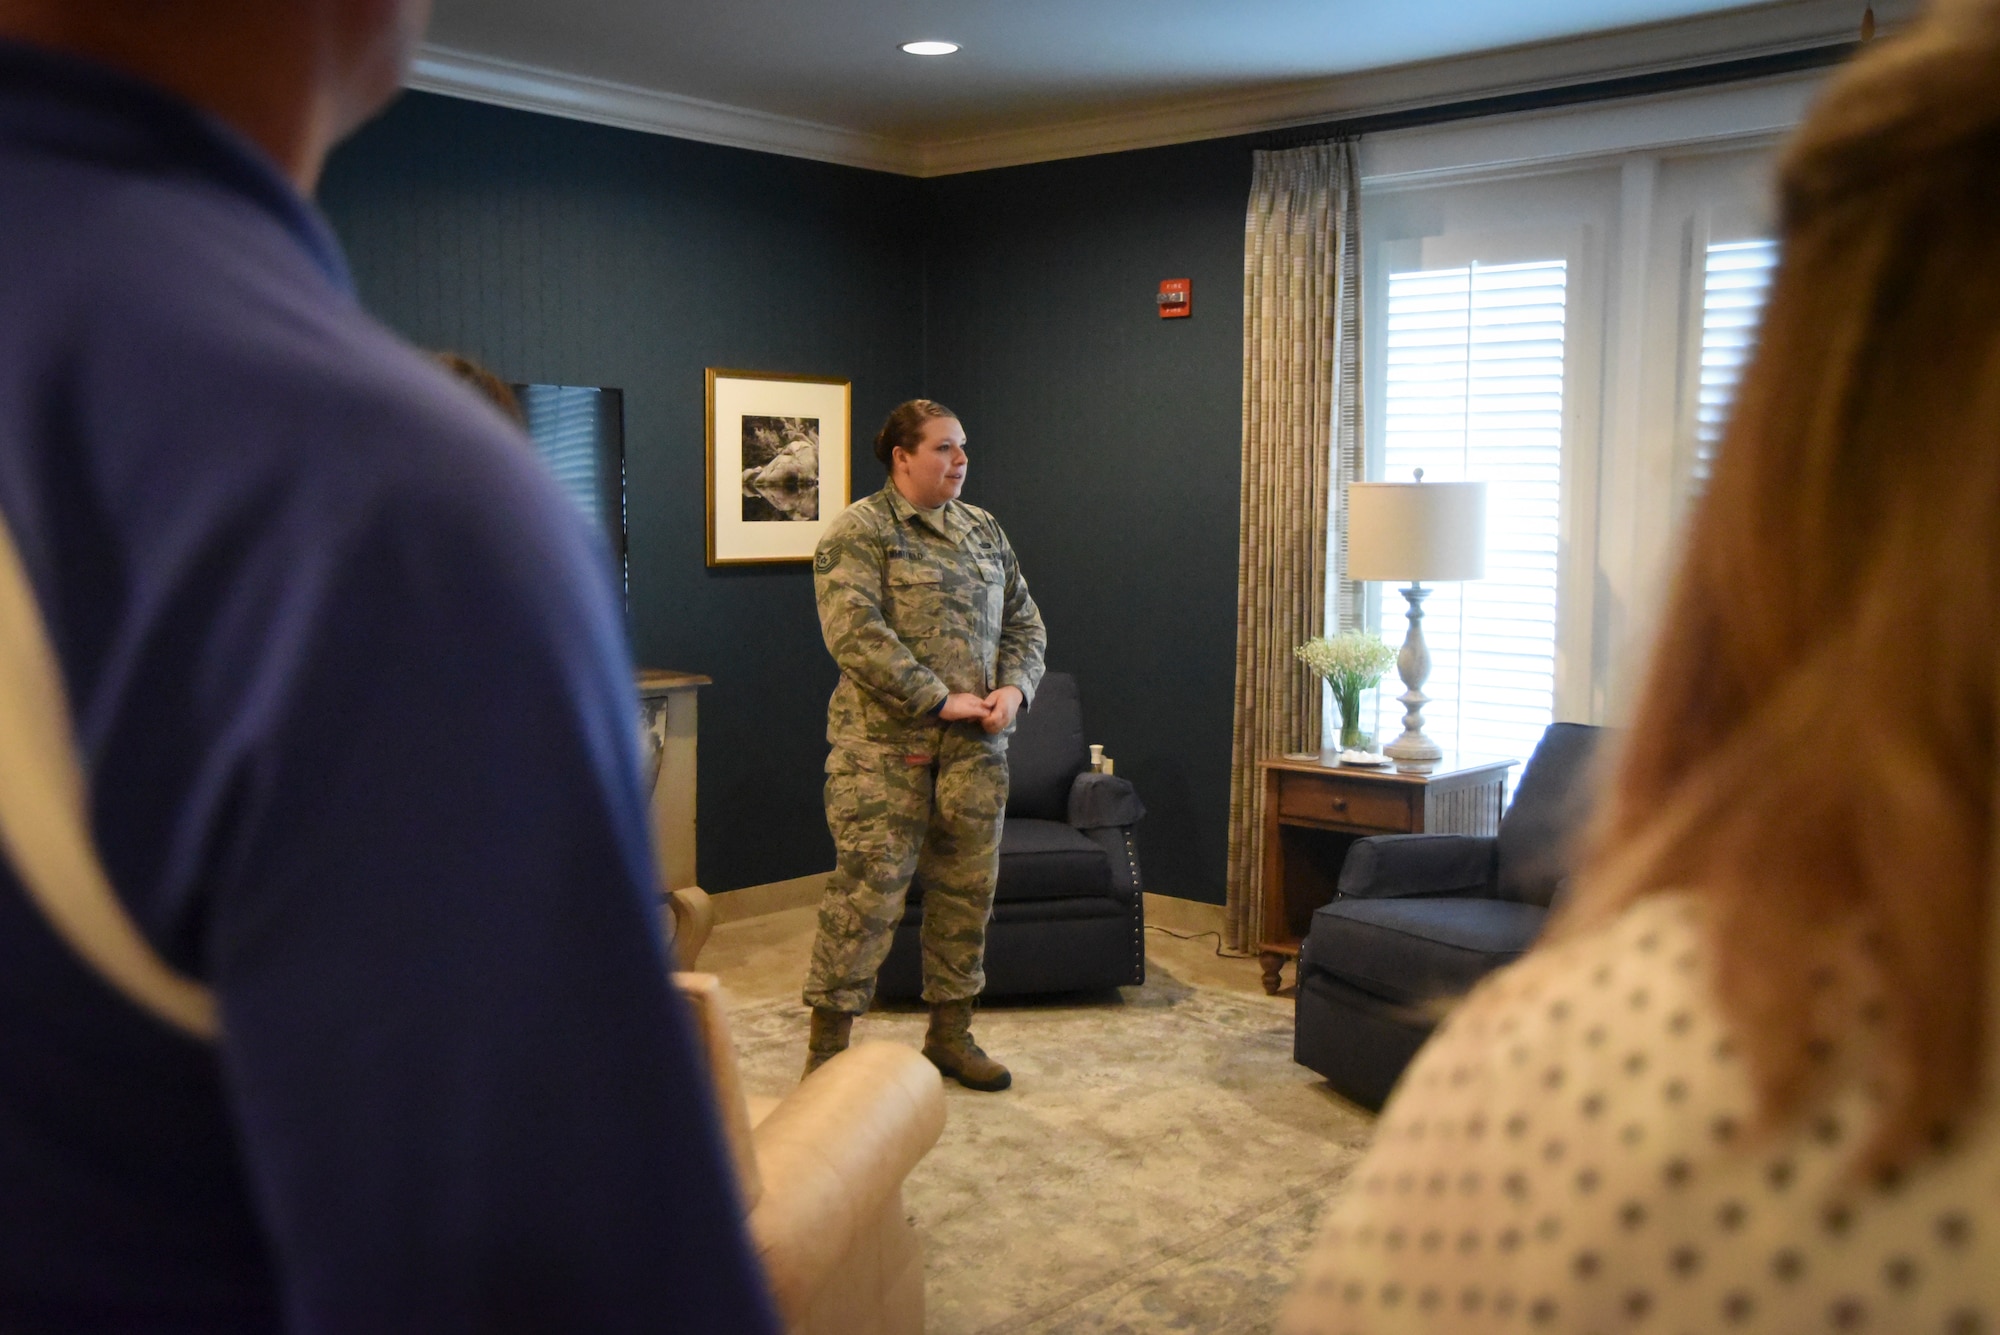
{"x": 1419, "y": 918}
{"x": 1068, "y": 915}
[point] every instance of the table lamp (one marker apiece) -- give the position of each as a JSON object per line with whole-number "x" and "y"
{"x": 1415, "y": 531}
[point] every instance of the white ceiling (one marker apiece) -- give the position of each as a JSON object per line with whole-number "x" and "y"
{"x": 824, "y": 78}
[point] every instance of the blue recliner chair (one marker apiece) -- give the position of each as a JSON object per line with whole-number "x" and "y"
{"x": 1419, "y": 918}
{"x": 1068, "y": 915}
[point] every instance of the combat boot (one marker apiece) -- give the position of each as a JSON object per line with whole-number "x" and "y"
{"x": 950, "y": 1047}
{"x": 829, "y": 1038}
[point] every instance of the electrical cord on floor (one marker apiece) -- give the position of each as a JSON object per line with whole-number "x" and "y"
{"x": 1196, "y": 936}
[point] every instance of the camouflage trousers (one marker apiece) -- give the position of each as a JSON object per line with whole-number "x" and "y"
{"x": 895, "y": 817}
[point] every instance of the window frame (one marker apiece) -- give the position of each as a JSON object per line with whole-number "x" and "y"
{"x": 1631, "y": 374}
{"x": 1580, "y": 244}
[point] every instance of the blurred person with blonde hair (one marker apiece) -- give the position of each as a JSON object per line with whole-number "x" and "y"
{"x": 1746, "y": 1083}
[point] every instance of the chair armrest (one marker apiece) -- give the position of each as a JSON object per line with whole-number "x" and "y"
{"x": 703, "y": 994}
{"x": 1390, "y": 866}
{"x": 1099, "y": 801}
{"x": 832, "y": 1154}
{"x": 1120, "y": 848}
{"x": 692, "y": 914}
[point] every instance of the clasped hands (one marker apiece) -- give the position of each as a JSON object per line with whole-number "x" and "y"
{"x": 994, "y": 713}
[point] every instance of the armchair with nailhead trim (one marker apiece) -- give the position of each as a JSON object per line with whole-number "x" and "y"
{"x": 1069, "y": 915}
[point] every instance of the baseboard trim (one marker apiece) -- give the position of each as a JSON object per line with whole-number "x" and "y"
{"x": 754, "y": 901}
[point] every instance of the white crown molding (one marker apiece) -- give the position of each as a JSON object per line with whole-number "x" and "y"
{"x": 1732, "y": 115}
{"x": 506, "y": 83}
{"x": 1767, "y": 30}
{"x": 1657, "y": 48}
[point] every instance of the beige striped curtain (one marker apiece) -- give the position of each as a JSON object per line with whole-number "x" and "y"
{"x": 1301, "y": 446}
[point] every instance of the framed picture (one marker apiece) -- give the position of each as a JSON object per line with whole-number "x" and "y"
{"x": 777, "y": 464}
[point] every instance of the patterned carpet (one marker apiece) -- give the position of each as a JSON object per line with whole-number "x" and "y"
{"x": 1159, "y": 1165}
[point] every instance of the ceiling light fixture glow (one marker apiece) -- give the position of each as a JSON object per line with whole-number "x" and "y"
{"x": 930, "y": 48}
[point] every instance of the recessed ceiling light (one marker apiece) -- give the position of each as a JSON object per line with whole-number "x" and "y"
{"x": 930, "y": 48}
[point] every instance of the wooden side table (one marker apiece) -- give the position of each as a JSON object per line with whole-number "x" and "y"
{"x": 1314, "y": 807}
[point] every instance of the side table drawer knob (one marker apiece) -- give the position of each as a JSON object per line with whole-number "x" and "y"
{"x": 1340, "y": 804}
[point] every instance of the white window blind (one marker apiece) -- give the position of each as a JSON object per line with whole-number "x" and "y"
{"x": 1475, "y": 393}
{"x": 578, "y": 432}
{"x": 1736, "y": 280}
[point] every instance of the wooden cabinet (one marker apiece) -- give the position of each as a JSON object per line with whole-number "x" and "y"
{"x": 1314, "y": 807}
{"x": 667, "y": 727}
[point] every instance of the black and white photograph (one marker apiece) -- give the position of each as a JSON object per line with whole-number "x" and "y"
{"x": 778, "y": 465}
{"x": 780, "y": 469}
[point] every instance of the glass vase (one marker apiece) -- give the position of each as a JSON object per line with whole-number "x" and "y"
{"x": 1351, "y": 736}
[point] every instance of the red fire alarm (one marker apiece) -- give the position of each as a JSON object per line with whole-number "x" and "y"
{"x": 1176, "y": 298}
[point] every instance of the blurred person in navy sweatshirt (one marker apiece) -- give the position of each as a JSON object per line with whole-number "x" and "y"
{"x": 349, "y": 682}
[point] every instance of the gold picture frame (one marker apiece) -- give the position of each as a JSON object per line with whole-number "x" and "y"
{"x": 778, "y": 463}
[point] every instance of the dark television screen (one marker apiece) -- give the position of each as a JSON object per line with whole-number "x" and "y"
{"x": 579, "y": 430}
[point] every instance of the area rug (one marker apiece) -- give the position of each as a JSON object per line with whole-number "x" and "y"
{"x": 1159, "y": 1165}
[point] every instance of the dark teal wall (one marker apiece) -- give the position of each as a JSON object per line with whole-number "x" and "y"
{"x": 1108, "y": 441}
{"x": 1105, "y": 438}
{"x": 562, "y": 252}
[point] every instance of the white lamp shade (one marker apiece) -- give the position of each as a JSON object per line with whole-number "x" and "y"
{"x": 1416, "y": 530}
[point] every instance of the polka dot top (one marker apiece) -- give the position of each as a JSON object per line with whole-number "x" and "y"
{"x": 1574, "y": 1155}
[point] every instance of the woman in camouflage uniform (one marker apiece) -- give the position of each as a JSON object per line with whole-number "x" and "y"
{"x": 922, "y": 605}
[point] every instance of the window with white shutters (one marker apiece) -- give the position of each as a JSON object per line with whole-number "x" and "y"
{"x": 1736, "y": 280}
{"x": 1573, "y": 334}
{"x": 1474, "y": 392}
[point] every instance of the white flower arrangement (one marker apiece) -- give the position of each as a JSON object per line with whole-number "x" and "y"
{"x": 1351, "y": 662}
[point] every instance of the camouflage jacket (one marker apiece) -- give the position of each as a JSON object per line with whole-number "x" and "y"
{"x": 914, "y": 607}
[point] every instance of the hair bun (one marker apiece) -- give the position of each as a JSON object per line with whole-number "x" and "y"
{"x": 905, "y": 427}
